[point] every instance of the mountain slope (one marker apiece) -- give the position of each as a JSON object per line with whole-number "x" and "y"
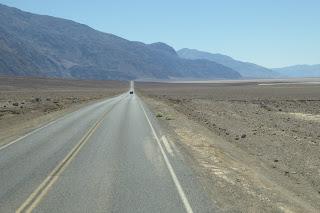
{"x": 300, "y": 71}
{"x": 41, "y": 45}
{"x": 246, "y": 69}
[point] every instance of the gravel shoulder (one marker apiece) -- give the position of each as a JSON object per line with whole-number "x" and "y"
{"x": 26, "y": 103}
{"x": 256, "y": 147}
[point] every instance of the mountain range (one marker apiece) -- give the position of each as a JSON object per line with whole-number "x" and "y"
{"x": 300, "y": 71}
{"x": 250, "y": 70}
{"x": 247, "y": 70}
{"x": 40, "y": 45}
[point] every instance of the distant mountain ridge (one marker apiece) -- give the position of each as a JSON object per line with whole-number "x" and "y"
{"x": 300, "y": 71}
{"x": 40, "y": 45}
{"x": 247, "y": 70}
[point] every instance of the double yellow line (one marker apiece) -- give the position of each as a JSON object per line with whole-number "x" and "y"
{"x": 40, "y": 192}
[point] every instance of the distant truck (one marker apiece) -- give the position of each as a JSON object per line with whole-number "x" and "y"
{"x": 131, "y": 92}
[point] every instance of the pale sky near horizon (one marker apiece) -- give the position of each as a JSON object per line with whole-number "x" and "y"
{"x": 272, "y": 33}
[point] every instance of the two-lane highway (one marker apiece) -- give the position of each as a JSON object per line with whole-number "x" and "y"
{"x": 107, "y": 157}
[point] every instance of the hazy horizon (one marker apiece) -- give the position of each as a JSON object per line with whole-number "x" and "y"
{"x": 269, "y": 33}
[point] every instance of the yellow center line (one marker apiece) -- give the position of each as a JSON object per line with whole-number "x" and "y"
{"x": 37, "y": 195}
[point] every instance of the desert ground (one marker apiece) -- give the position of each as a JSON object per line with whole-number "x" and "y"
{"x": 255, "y": 146}
{"x": 26, "y": 103}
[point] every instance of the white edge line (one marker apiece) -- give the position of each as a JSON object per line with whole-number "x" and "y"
{"x": 30, "y": 133}
{"x": 182, "y": 194}
{"x": 46, "y": 125}
{"x": 167, "y": 145}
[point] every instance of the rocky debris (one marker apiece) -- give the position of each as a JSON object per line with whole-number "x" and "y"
{"x": 159, "y": 115}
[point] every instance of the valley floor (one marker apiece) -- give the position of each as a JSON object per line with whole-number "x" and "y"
{"x": 255, "y": 147}
{"x": 26, "y": 102}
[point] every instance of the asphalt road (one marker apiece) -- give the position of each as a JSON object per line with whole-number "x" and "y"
{"x": 106, "y": 157}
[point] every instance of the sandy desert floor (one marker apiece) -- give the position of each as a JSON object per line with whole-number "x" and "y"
{"x": 255, "y": 145}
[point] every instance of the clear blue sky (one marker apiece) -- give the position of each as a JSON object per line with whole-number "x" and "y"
{"x": 272, "y": 33}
